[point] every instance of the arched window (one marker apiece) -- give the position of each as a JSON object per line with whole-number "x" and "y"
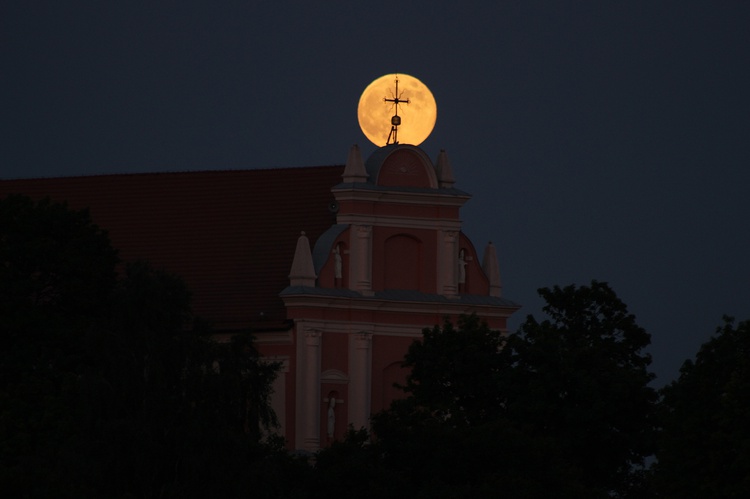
{"x": 402, "y": 262}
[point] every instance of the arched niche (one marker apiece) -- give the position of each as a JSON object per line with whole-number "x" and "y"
{"x": 402, "y": 262}
{"x": 330, "y": 247}
{"x": 334, "y": 408}
{"x": 475, "y": 280}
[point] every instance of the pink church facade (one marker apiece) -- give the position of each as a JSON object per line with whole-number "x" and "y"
{"x": 381, "y": 258}
{"x": 394, "y": 262}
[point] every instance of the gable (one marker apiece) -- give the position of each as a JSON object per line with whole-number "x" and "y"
{"x": 402, "y": 166}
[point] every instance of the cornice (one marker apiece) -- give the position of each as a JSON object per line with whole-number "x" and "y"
{"x": 374, "y": 304}
{"x": 401, "y": 222}
{"x": 366, "y": 192}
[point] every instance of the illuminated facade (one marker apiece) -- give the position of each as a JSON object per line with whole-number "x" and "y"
{"x": 335, "y": 270}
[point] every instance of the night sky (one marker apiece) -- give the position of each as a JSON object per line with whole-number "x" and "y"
{"x": 600, "y": 140}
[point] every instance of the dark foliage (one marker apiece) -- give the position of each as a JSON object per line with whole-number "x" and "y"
{"x": 57, "y": 271}
{"x": 581, "y": 378}
{"x": 352, "y": 468}
{"x": 704, "y": 448}
{"x": 459, "y": 373}
{"x": 562, "y": 408}
{"x": 109, "y": 387}
{"x": 53, "y": 262}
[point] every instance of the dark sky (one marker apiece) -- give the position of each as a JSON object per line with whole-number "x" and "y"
{"x": 600, "y": 140}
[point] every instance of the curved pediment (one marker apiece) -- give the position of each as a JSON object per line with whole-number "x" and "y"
{"x": 401, "y": 166}
{"x": 333, "y": 376}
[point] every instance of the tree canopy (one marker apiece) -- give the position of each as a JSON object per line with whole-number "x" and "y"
{"x": 562, "y": 405}
{"x": 109, "y": 386}
{"x": 449, "y": 436}
{"x": 704, "y": 446}
{"x": 458, "y": 372}
{"x": 581, "y": 377}
{"x": 54, "y": 260}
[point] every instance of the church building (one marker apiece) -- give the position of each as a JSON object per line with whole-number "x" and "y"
{"x": 334, "y": 270}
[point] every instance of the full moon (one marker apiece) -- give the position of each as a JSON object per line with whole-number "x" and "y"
{"x": 379, "y": 104}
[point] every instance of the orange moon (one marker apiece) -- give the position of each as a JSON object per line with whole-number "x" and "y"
{"x": 418, "y": 116}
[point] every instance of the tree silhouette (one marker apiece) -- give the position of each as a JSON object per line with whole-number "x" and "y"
{"x": 704, "y": 448}
{"x": 108, "y": 386}
{"x": 582, "y": 380}
{"x": 561, "y": 408}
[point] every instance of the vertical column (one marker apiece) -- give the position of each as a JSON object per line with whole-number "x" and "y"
{"x": 308, "y": 395}
{"x": 448, "y": 262}
{"x": 360, "y": 375}
{"x": 361, "y": 259}
{"x": 278, "y": 398}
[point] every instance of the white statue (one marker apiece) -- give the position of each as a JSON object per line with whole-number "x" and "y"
{"x": 338, "y": 261}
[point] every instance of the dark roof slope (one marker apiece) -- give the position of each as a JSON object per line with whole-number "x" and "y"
{"x": 230, "y": 234}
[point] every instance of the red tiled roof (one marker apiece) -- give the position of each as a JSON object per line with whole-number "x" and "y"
{"x": 230, "y": 235}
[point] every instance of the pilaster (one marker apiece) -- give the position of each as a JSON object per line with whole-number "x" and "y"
{"x": 361, "y": 259}
{"x": 447, "y": 262}
{"x": 308, "y": 393}
{"x": 360, "y": 374}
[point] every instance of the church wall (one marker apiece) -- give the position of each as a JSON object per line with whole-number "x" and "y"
{"x": 402, "y": 267}
{"x": 387, "y": 355}
{"x": 395, "y": 252}
{"x": 335, "y": 352}
{"x": 393, "y": 332}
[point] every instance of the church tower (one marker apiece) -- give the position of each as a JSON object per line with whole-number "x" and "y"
{"x": 394, "y": 262}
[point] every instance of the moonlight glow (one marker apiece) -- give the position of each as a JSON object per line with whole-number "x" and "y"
{"x": 417, "y": 117}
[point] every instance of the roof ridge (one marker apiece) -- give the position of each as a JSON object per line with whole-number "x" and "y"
{"x": 175, "y": 172}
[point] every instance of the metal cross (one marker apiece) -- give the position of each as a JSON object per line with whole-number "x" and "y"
{"x": 396, "y": 119}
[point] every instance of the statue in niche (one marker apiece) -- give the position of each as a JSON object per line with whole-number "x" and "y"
{"x": 461, "y": 267}
{"x": 338, "y": 268}
{"x": 331, "y": 415}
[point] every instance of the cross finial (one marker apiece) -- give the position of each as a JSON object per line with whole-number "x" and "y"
{"x": 396, "y": 119}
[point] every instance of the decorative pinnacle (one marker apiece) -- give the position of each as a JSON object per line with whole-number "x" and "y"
{"x": 302, "y": 272}
{"x": 396, "y": 119}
